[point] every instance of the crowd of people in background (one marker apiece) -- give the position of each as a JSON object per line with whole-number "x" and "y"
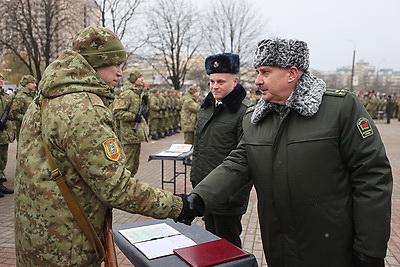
{"x": 381, "y": 106}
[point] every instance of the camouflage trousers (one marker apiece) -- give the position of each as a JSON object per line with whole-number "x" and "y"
{"x": 3, "y": 159}
{"x": 132, "y": 152}
{"x": 188, "y": 137}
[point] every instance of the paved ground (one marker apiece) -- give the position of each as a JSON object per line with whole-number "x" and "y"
{"x": 150, "y": 172}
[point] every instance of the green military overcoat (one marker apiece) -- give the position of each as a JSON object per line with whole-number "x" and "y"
{"x": 218, "y": 131}
{"x": 323, "y": 181}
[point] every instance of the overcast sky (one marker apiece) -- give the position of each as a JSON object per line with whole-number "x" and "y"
{"x": 334, "y": 28}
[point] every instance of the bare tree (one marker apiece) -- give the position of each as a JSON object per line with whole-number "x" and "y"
{"x": 174, "y": 38}
{"x": 36, "y": 31}
{"x": 233, "y": 26}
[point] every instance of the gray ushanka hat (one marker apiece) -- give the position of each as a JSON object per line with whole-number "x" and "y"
{"x": 283, "y": 53}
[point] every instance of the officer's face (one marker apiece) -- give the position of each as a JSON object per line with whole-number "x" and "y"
{"x": 110, "y": 74}
{"x": 221, "y": 84}
{"x": 276, "y": 84}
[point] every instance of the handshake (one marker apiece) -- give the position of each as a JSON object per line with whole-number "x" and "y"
{"x": 193, "y": 206}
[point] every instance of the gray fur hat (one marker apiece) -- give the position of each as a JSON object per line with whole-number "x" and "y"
{"x": 222, "y": 63}
{"x": 284, "y": 53}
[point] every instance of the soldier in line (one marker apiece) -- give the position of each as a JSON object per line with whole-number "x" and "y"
{"x": 190, "y": 107}
{"x": 132, "y": 128}
{"x": 217, "y": 132}
{"x": 154, "y": 113}
{"x": 26, "y": 91}
{"x": 7, "y": 135}
{"x": 72, "y": 116}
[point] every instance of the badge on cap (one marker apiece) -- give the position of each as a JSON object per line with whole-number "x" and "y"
{"x": 111, "y": 148}
{"x": 216, "y": 64}
{"x": 364, "y": 127}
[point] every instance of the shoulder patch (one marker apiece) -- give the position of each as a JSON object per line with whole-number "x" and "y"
{"x": 250, "y": 109}
{"x": 246, "y": 102}
{"x": 112, "y": 149}
{"x": 364, "y": 127}
{"x": 336, "y": 92}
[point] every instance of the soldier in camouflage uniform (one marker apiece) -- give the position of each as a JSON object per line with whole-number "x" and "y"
{"x": 7, "y": 135}
{"x": 154, "y": 114}
{"x": 190, "y": 107}
{"x": 132, "y": 128}
{"x": 72, "y": 114}
{"x": 23, "y": 98}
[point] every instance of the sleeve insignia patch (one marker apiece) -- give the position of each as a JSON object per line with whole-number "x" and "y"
{"x": 364, "y": 127}
{"x": 112, "y": 149}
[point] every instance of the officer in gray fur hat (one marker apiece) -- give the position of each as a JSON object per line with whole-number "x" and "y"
{"x": 322, "y": 177}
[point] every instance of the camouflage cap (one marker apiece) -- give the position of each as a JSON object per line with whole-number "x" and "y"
{"x": 1, "y": 75}
{"x": 99, "y": 46}
{"x": 134, "y": 76}
{"x": 192, "y": 90}
{"x": 27, "y": 79}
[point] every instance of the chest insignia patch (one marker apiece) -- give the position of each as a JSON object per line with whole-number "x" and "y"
{"x": 121, "y": 102}
{"x": 364, "y": 127}
{"x": 111, "y": 148}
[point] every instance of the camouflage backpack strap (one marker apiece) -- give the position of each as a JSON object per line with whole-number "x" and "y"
{"x": 71, "y": 200}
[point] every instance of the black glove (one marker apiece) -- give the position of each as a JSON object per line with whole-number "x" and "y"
{"x": 193, "y": 206}
{"x": 361, "y": 260}
{"x": 145, "y": 99}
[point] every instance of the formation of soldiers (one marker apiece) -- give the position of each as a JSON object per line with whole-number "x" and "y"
{"x": 381, "y": 106}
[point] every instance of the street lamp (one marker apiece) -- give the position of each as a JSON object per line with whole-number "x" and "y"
{"x": 352, "y": 66}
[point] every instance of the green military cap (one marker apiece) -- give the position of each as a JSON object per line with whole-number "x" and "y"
{"x": 27, "y": 79}
{"x": 99, "y": 46}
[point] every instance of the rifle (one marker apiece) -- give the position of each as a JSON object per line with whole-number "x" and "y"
{"x": 138, "y": 117}
{"x": 6, "y": 112}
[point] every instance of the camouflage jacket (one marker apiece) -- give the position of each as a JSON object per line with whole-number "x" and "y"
{"x": 125, "y": 108}
{"x": 189, "y": 113}
{"x": 78, "y": 127}
{"x": 8, "y": 135}
{"x": 23, "y": 99}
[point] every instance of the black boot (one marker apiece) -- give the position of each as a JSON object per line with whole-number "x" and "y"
{"x": 155, "y": 137}
{"x": 5, "y": 190}
{"x": 1, "y": 195}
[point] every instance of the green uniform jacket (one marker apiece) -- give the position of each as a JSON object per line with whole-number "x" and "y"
{"x": 323, "y": 183}
{"x": 79, "y": 128}
{"x": 218, "y": 131}
{"x": 125, "y": 107}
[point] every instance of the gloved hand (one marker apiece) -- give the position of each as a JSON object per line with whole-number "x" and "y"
{"x": 361, "y": 260}
{"x": 193, "y": 206}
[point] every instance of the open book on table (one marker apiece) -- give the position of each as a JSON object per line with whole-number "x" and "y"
{"x": 175, "y": 150}
{"x": 156, "y": 240}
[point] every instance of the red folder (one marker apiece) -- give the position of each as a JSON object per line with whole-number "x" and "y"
{"x": 210, "y": 253}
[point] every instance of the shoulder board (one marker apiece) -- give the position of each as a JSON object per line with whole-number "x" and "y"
{"x": 336, "y": 92}
{"x": 250, "y": 109}
{"x": 246, "y": 102}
